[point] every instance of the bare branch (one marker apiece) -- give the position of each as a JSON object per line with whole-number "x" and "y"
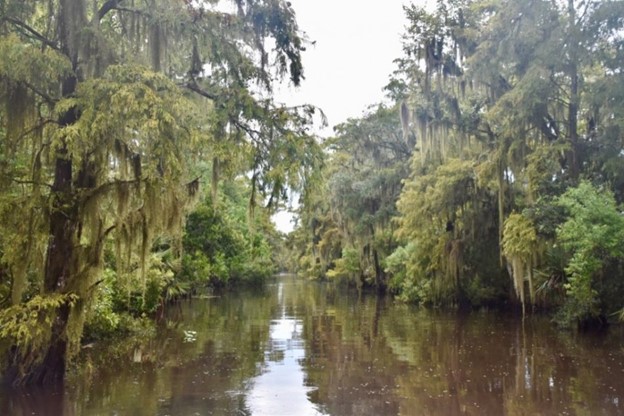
{"x": 108, "y": 231}
{"x": 40, "y": 93}
{"x": 192, "y": 85}
{"x": 107, "y": 7}
{"x": 253, "y": 134}
{"x": 133, "y": 11}
{"x": 23, "y": 182}
{"x": 36, "y": 127}
{"x": 29, "y": 31}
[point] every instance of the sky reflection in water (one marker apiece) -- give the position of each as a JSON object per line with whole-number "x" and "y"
{"x": 306, "y": 349}
{"x": 281, "y": 389}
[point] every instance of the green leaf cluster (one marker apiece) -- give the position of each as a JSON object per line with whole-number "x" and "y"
{"x": 593, "y": 237}
{"x": 223, "y": 246}
{"x": 27, "y": 327}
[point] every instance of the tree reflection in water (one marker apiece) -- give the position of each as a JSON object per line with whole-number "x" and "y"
{"x": 372, "y": 357}
{"x": 301, "y": 348}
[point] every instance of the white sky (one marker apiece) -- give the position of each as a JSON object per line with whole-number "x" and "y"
{"x": 351, "y": 61}
{"x": 356, "y": 43}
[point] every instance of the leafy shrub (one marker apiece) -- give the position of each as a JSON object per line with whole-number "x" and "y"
{"x": 593, "y": 237}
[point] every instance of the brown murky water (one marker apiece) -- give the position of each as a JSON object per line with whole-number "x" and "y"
{"x": 302, "y": 349}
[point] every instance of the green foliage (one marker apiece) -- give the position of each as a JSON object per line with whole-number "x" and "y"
{"x": 498, "y": 87}
{"x": 520, "y": 237}
{"x": 208, "y": 240}
{"x": 27, "y": 322}
{"x": 403, "y": 281}
{"x": 431, "y": 200}
{"x": 348, "y": 212}
{"x": 446, "y": 216}
{"x": 520, "y": 246}
{"x": 593, "y": 236}
{"x": 102, "y": 319}
{"x": 26, "y": 328}
{"x": 504, "y": 105}
{"x": 222, "y": 248}
{"x": 347, "y": 267}
{"x": 25, "y": 62}
{"x": 100, "y": 147}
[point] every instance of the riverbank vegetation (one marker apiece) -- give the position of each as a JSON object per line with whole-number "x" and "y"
{"x": 142, "y": 156}
{"x": 118, "y": 119}
{"x": 495, "y": 175}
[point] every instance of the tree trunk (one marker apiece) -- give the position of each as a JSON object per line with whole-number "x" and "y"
{"x": 572, "y": 154}
{"x": 380, "y": 283}
{"x": 60, "y": 263}
{"x": 59, "y": 269}
{"x": 501, "y": 211}
{"x": 51, "y": 370}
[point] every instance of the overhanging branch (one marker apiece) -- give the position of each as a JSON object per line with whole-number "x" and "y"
{"x": 107, "y": 7}
{"x": 29, "y": 31}
{"x": 46, "y": 97}
{"x": 192, "y": 85}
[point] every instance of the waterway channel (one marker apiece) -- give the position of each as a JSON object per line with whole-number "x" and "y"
{"x": 299, "y": 348}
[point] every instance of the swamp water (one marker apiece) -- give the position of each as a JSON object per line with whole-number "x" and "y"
{"x": 298, "y": 348}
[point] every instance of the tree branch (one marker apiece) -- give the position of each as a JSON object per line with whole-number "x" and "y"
{"x": 108, "y": 231}
{"x": 134, "y": 11}
{"x": 192, "y": 85}
{"x": 105, "y": 187}
{"x": 36, "y": 127}
{"x": 23, "y": 182}
{"x": 25, "y": 28}
{"x": 40, "y": 93}
{"x": 107, "y": 7}
{"x": 255, "y": 135}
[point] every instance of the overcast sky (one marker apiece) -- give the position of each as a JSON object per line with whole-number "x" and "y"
{"x": 356, "y": 42}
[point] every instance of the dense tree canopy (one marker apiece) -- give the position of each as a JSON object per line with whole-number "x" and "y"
{"x": 348, "y": 217}
{"x": 513, "y": 113}
{"x": 111, "y": 111}
{"x": 142, "y": 153}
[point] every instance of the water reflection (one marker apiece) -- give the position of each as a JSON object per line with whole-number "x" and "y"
{"x": 280, "y": 389}
{"x": 301, "y": 348}
{"x": 388, "y": 360}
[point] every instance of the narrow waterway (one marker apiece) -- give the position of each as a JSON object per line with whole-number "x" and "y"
{"x": 299, "y": 348}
